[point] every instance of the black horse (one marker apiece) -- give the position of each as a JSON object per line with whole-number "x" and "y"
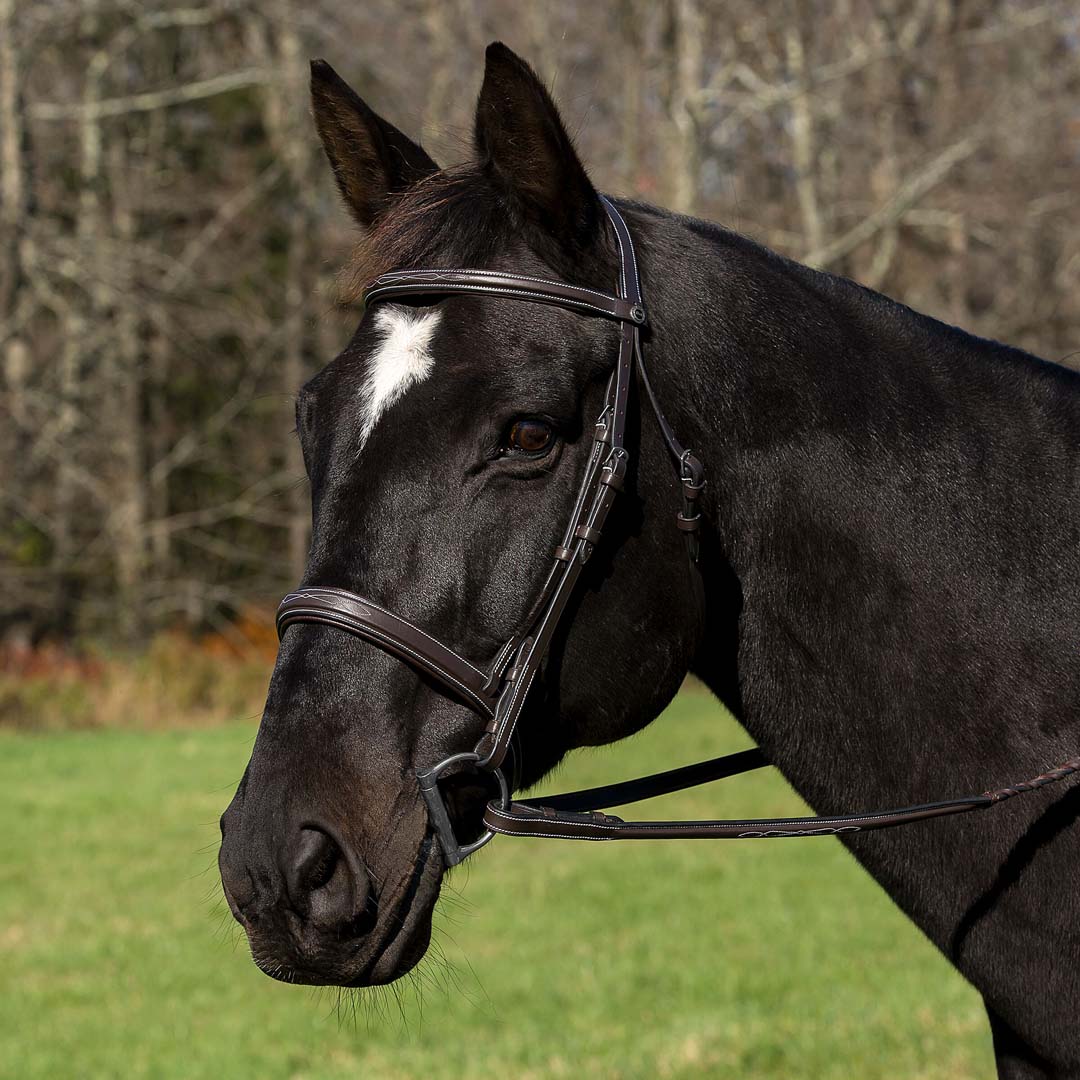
{"x": 888, "y": 593}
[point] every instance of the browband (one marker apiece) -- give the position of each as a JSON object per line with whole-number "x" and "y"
{"x": 399, "y": 283}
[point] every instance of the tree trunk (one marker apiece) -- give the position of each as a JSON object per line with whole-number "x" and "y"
{"x": 128, "y": 517}
{"x": 74, "y": 356}
{"x": 803, "y": 143}
{"x": 689, "y": 79}
{"x": 13, "y": 188}
{"x": 287, "y": 124}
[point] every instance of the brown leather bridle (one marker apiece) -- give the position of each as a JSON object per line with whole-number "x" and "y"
{"x": 498, "y": 692}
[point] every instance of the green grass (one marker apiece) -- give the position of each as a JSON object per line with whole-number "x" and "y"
{"x": 739, "y": 959}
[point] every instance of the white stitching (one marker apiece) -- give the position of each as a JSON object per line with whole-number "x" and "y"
{"x": 363, "y": 630}
{"x": 492, "y": 289}
{"x": 516, "y": 707}
{"x": 356, "y": 599}
{"x": 346, "y": 595}
{"x": 500, "y": 657}
{"x": 748, "y": 824}
{"x": 404, "y": 282}
{"x": 386, "y": 636}
{"x": 396, "y": 276}
{"x": 543, "y": 835}
{"x": 617, "y": 220}
{"x": 633, "y": 257}
{"x": 444, "y": 286}
{"x": 612, "y": 209}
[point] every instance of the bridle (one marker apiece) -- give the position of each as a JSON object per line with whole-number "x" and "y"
{"x": 498, "y": 692}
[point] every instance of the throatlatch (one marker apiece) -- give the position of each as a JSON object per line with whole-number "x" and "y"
{"x": 498, "y": 692}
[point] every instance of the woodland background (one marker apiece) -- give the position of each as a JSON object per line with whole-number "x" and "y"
{"x": 169, "y": 234}
{"x": 169, "y": 239}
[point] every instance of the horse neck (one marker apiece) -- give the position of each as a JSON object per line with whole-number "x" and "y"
{"x": 879, "y": 554}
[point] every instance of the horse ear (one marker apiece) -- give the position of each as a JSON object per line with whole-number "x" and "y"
{"x": 523, "y": 146}
{"x": 371, "y": 159}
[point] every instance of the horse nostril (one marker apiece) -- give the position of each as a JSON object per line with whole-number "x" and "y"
{"x": 317, "y": 858}
{"x": 327, "y": 884}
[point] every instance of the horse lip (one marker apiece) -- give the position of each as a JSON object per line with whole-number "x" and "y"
{"x": 404, "y": 920}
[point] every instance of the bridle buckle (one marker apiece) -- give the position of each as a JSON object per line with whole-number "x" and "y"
{"x": 613, "y": 471}
{"x": 692, "y": 474}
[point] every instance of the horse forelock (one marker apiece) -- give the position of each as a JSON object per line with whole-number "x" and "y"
{"x": 454, "y": 216}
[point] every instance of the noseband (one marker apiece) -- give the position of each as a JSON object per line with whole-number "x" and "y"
{"x": 499, "y": 691}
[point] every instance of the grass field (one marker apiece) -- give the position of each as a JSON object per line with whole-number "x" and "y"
{"x": 686, "y": 959}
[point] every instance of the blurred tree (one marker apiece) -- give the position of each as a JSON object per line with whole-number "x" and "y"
{"x": 169, "y": 234}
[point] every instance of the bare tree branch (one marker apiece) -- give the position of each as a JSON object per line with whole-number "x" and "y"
{"x": 907, "y": 195}
{"x": 154, "y": 99}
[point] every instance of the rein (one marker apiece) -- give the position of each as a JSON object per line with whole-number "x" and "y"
{"x": 498, "y": 692}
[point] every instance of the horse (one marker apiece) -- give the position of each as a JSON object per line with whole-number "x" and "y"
{"x": 886, "y": 589}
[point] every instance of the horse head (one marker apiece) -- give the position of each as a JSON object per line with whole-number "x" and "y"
{"x": 445, "y": 447}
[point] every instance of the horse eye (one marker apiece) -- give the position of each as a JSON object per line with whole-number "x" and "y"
{"x": 529, "y": 436}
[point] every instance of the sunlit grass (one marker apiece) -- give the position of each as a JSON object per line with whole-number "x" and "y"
{"x": 742, "y": 959}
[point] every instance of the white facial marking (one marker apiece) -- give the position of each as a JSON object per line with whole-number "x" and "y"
{"x": 402, "y": 360}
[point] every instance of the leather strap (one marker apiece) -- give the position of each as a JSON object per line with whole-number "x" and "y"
{"x": 511, "y": 286}
{"x": 522, "y": 820}
{"x": 690, "y": 470}
{"x": 650, "y": 787}
{"x": 577, "y": 816}
{"x": 367, "y": 620}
